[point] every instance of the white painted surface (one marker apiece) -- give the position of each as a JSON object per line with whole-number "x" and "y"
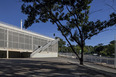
{"x": 45, "y": 54}
{"x": 7, "y": 54}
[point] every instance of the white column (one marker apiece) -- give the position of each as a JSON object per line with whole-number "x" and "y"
{"x": 32, "y": 42}
{"x": 7, "y": 54}
{"x": 18, "y": 40}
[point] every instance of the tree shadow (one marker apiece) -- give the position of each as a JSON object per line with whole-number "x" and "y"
{"x": 44, "y": 68}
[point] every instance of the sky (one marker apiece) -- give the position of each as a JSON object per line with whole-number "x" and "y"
{"x": 10, "y": 12}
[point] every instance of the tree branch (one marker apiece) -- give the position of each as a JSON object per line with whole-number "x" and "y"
{"x": 111, "y": 7}
{"x": 95, "y": 11}
{"x": 62, "y": 32}
{"x": 67, "y": 40}
{"x": 80, "y": 32}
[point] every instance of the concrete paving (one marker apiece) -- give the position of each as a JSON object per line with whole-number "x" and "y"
{"x": 111, "y": 71}
{"x": 47, "y": 67}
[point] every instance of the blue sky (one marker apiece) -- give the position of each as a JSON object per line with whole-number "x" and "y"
{"x": 10, "y": 12}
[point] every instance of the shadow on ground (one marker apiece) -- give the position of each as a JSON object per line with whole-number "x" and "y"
{"x": 44, "y": 68}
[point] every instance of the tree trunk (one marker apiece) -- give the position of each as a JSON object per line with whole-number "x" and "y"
{"x": 81, "y": 59}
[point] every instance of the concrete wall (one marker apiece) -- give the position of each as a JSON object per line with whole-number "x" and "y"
{"x": 13, "y": 54}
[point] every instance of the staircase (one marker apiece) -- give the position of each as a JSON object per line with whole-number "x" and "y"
{"x": 36, "y": 52}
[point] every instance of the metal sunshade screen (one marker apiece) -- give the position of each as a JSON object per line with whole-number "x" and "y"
{"x": 10, "y": 39}
{"x": 19, "y": 40}
{"x": 37, "y": 41}
{"x": 55, "y": 47}
{"x": 28, "y": 42}
{"x": 15, "y": 40}
{"x": 3, "y": 38}
{"x": 52, "y": 48}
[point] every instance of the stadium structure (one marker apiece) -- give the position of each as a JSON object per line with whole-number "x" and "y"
{"x": 17, "y": 43}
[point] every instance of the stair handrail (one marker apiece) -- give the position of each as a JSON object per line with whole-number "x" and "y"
{"x": 52, "y": 42}
{"x": 36, "y": 50}
{"x": 41, "y": 48}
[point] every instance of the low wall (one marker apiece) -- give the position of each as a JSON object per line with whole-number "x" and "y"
{"x": 45, "y": 54}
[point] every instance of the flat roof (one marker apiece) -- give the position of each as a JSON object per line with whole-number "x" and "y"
{"x": 22, "y": 30}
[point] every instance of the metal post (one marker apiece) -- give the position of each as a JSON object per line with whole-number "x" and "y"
{"x": 21, "y": 24}
{"x": 91, "y": 58}
{"x": 18, "y": 40}
{"x": 7, "y": 55}
{"x": 107, "y": 60}
{"x": 115, "y": 54}
{"x": 24, "y": 43}
{"x": 100, "y": 58}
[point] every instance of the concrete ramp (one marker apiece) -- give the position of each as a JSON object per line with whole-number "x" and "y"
{"x": 44, "y": 51}
{"x": 45, "y": 54}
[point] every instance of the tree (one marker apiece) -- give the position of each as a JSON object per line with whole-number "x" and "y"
{"x": 105, "y": 50}
{"x": 70, "y": 16}
{"x": 112, "y": 42}
{"x": 61, "y": 44}
{"x": 110, "y": 48}
{"x": 99, "y": 49}
{"x": 90, "y": 49}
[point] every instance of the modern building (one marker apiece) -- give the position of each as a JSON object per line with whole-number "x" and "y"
{"x": 15, "y": 42}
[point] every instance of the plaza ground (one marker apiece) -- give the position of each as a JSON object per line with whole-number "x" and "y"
{"x": 48, "y": 67}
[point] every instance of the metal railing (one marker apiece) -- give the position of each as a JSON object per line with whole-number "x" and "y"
{"x": 42, "y": 48}
{"x": 107, "y": 61}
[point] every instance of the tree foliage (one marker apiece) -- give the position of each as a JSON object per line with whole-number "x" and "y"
{"x": 105, "y": 50}
{"x": 112, "y": 20}
{"x": 70, "y": 16}
{"x": 112, "y": 42}
{"x": 61, "y": 44}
